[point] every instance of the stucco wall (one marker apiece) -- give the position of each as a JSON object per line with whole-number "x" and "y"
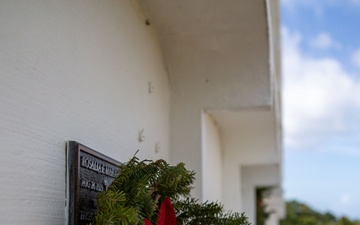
{"x": 73, "y": 70}
{"x": 197, "y": 87}
{"x": 253, "y": 140}
{"x": 253, "y": 177}
{"x": 214, "y": 72}
{"x": 249, "y": 138}
{"x": 212, "y": 160}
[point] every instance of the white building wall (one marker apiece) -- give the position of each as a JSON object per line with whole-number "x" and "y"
{"x": 197, "y": 86}
{"x": 253, "y": 177}
{"x": 73, "y": 70}
{"x": 249, "y": 138}
{"x": 212, "y": 160}
{"x": 252, "y": 139}
{"x": 80, "y": 70}
{"x": 275, "y": 206}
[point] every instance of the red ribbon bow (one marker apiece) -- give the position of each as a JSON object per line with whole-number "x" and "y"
{"x": 166, "y": 214}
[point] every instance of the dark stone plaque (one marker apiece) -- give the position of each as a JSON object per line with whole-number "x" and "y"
{"x": 88, "y": 173}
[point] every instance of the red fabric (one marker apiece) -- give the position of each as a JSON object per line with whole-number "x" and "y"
{"x": 147, "y": 222}
{"x": 166, "y": 214}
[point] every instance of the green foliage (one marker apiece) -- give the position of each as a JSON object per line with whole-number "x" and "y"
{"x": 191, "y": 212}
{"x": 112, "y": 210}
{"x": 301, "y": 214}
{"x": 142, "y": 185}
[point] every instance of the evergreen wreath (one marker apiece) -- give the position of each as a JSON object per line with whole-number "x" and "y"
{"x": 141, "y": 186}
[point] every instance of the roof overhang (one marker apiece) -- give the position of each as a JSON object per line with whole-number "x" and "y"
{"x": 225, "y": 42}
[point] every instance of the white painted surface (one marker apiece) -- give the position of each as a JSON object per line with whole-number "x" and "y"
{"x": 223, "y": 66}
{"x": 253, "y": 177}
{"x": 212, "y": 160}
{"x": 249, "y": 138}
{"x": 79, "y": 70}
{"x": 222, "y": 56}
{"x": 73, "y": 70}
{"x": 275, "y": 205}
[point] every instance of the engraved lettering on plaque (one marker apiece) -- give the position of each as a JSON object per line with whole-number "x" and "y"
{"x": 92, "y": 185}
{"x": 97, "y": 166}
{"x": 89, "y": 172}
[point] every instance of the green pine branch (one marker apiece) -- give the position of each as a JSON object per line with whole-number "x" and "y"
{"x": 141, "y": 186}
{"x": 191, "y": 212}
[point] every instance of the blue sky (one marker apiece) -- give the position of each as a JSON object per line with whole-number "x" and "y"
{"x": 321, "y": 103}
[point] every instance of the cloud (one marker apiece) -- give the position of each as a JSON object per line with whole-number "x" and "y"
{"x": 320, "y": 98}
{"x": 345, "y": 199}
{"x": 316, "y": 6}
{"x": 356, "y": 58}
{"x": 324, "y": 41}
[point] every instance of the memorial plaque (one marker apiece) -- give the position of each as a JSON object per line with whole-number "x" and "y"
{"x": 88, "y": 173}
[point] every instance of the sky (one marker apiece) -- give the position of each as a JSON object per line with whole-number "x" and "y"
{"x": 321, "y": 103}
